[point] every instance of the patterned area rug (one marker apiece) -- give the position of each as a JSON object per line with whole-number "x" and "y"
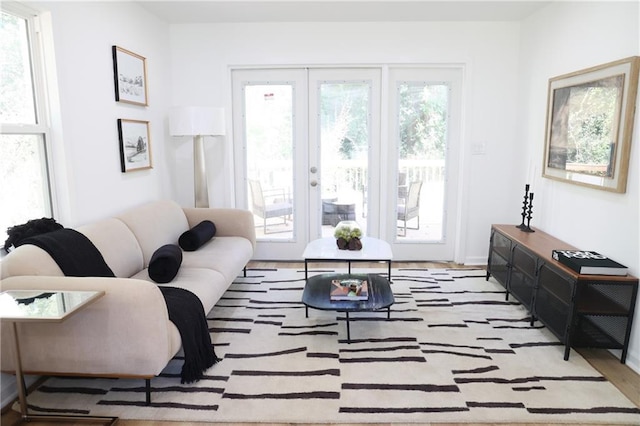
{"x": 453, "y": 351}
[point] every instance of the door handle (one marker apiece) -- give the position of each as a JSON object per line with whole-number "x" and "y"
{"x": 313, "y": 169}
{"x": 313, "y": 183}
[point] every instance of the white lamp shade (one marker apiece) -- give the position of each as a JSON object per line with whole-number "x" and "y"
{"x": 196, "y": 121}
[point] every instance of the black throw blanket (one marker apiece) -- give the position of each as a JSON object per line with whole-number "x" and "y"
{"x": 77, "y": 256}
{"x": 74, "y": 253}
{"x": 187, "y": 313}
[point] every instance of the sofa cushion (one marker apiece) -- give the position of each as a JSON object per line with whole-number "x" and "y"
{"x": 207, "y": 284}
{"x": 227, "y": 255}
{"x": 155, "y": 224}
{"x": 117, "y": 244}
{"x": 195, "y": 237}
{"x": 165, "y": 263}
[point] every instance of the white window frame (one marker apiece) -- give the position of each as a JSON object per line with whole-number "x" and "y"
{"x": 42, "y": 127}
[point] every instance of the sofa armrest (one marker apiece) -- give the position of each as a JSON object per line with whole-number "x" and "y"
{"x": 229, "y": 222}
{"x": 125, "y": 332}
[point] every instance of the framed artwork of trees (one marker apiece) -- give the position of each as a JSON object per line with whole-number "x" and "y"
{"x": 590, "y": 125}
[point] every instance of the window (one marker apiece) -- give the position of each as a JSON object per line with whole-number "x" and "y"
{"x": 25, "y": 188}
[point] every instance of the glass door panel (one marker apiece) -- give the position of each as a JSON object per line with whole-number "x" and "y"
{"x": 269, "y": 158}
{"x": 422, "y": 122}
{"x": 425, "y": 110}
{"x": 344, "y": 152}
{"x": 343, "y": 142}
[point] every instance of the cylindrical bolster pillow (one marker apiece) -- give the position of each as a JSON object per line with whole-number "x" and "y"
{"x": 165, "y": 263}
{"x": 195, "y": 237}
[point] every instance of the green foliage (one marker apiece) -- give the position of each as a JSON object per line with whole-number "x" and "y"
{"x": 422, "y": 120}
{"x": 344, "y": 109}
{"x": 16, "y": 95}
{"x": 347, "y": 231}
{"x": 591, "y": 127}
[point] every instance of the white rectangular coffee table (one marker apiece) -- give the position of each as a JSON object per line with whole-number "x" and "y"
{"x": 326, "y": 250}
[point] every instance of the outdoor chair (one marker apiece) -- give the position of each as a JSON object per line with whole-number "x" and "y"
{"x": 409, "y": 207}
{"x": 271, "y": 203}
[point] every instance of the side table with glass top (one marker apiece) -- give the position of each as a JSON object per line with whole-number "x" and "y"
{"x": 29, "y": 306}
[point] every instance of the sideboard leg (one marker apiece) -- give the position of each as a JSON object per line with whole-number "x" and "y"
{"x": 567, "y": 350}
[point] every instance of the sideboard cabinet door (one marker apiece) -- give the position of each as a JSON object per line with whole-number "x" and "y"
{"x": 499, "y": 254}
{"x": 523, "y": 275}
{"x": 553, "y": 301}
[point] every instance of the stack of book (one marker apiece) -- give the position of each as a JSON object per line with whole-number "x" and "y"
{"x": 589, "y": 262}
{"x": 349, "y": 289}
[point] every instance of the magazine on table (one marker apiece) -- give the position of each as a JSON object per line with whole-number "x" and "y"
{"x": 349, "y": 289}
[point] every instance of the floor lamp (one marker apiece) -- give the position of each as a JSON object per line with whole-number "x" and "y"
{"x": 197, "y": 122}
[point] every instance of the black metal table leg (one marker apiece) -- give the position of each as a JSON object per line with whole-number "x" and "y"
{"x": 348, "y": 330}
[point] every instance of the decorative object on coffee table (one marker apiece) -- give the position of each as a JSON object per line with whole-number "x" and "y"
{"x": 348, "y": 235}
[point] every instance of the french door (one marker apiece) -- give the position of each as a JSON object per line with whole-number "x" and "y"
{"x": 424, "y": 137}
{"x": 309, "y": 153}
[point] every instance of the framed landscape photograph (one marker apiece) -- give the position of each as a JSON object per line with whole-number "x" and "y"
{"x": 590, "y": 125}
{"x": 130, "y": 76}
{"x": 135, "y": 145}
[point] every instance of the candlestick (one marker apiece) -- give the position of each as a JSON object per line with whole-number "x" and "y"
{"x": 524, "y": 207}
{"x": 529, "y": 214}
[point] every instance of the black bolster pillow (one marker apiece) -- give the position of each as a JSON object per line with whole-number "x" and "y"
{"x": 195, "y": 237}
{"x": 165, "y": 263}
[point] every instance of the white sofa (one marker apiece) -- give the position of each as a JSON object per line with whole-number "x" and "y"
{"x": 126, "y": 333}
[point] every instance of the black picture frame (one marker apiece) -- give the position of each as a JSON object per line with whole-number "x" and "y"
{"x": 129, "y": 76}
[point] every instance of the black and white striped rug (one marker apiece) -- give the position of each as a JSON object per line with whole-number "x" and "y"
{"x": 453, "y": 351}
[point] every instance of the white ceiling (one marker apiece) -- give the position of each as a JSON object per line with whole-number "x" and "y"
{"x": 220, "y": 11}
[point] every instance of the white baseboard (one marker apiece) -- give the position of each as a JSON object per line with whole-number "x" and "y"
{"x": 476, "y": 261}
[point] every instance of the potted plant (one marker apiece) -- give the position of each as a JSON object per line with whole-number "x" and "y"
{"x": 347, "y": 234}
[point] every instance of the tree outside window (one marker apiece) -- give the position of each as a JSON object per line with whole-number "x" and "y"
{"x": 24, "y": 177}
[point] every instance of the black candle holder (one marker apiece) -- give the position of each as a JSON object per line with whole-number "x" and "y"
{"x": 529, "y": 211}
{"x": 524, "y": 207}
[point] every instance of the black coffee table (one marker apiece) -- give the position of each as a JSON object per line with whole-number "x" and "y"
{"x": 316, "y": 295}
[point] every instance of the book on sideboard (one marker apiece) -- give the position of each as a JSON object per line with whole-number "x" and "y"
{"x": 349, "y": 289}
{"x": 589, "y": 262}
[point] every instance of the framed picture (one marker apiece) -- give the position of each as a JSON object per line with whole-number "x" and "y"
{"x": 130, "y": 76}
{"x": 135, "y": 145}
{"x": 590, "y": 125}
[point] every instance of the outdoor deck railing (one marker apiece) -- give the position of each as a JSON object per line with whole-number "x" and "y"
{"x": 347, "y": 175}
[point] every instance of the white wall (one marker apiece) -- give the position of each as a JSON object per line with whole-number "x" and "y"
{"x": 203, "y": 54}
{"x": 85, "y": 137}
{"x": 559, "y": 39}
{"x": 83, "y": 33}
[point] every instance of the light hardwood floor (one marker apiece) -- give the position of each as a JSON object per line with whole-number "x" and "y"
{"x": 619, "y": 374}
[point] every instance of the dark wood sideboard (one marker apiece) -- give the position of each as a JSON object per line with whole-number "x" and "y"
{"x": 581, "y": 310}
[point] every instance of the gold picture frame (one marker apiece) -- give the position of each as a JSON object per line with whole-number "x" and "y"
{"x": 589, "y": 125}
{"x": 129, "y": 76}
{"x": 135, "y": 145}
